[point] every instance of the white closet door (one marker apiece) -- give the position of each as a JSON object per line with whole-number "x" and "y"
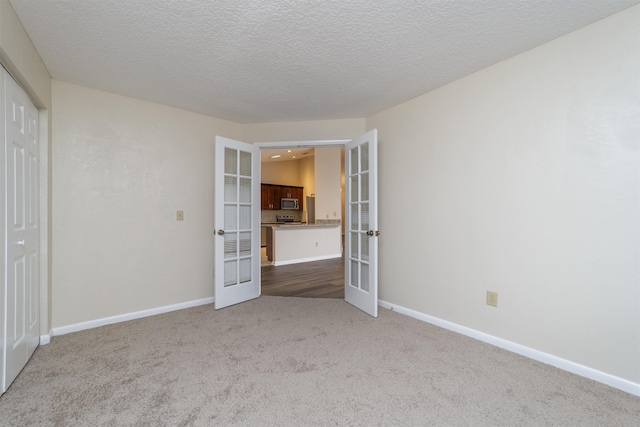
{"x": 21, "y": 229}
{"x": 3, "y": 234}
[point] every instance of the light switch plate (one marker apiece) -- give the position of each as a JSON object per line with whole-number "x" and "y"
{"x": 180, "y": 215}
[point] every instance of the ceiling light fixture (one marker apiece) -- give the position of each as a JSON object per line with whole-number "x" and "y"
{"x": 276, "y": 156}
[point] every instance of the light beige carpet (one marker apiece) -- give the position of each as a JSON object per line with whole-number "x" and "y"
{"x": 296, "y": 362}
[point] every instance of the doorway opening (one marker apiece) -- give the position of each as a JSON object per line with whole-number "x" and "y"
{"x": 237, "y": 222}
{"x": 294, "y": 164}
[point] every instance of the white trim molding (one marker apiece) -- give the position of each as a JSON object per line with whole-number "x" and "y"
{"x": 46, "y": 339}
{"x": 549, "y": 359}
{"x": 301, "y": 144}
{"x": 299, "y": 260}
{"x": 128, "y": 316}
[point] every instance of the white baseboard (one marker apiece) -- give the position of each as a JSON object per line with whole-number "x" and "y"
{"x": 549, "y": 359}
{"x": 129, "y": 316}
{"x": 46, "y": 339}
{"x": 297, "y": 261}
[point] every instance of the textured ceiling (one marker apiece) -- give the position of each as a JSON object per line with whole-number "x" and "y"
{"x": 289, "y": 60}
{"x": 289, "y": 153}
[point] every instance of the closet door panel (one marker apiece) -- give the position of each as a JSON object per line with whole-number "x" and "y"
{"x": 21, "y": 229}
{"x": 16, "y": 189}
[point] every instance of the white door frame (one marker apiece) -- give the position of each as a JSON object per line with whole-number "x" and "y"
{"x": 303, "y": 144}
{"x": 3, "y": 238}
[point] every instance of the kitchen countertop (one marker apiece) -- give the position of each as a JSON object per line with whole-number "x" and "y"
{"x": 303, "y": 225}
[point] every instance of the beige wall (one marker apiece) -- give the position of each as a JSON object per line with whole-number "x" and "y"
{"x": 307, "y": 175}
{"x": 296, "y": 245}
{"x": 20, "y": 58}
{"x": 121, "y": 169}
{"x": 523, "y": 179}
{"x": 304, "y": 131}
{"x": 281, "y": 173}
{"x": 328, "y": 176}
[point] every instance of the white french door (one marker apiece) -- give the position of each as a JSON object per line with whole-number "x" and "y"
{"x": 22, "y": 241}
{"x": 361, "y": 228}
{"x": 237, "y": 222}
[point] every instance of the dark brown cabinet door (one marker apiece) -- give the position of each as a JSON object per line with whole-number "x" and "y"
{"x": 264, "y": 197}
{"x": 299, "y": 194}
{"x": 286, "y": 192}
{"x": 270, "y": 197}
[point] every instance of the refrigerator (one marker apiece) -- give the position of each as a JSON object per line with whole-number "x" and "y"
{"x": 311, "y": 209}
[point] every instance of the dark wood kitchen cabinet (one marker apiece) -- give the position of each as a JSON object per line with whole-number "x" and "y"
{"x": 299, "y": 194}
{"x": 271, "y": 195}
{"x": 287, "y": 192}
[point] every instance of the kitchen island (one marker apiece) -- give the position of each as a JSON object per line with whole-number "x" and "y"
{"x": 295, "y": 243}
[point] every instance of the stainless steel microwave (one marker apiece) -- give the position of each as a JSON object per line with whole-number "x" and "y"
{"x": 288, "y": 203}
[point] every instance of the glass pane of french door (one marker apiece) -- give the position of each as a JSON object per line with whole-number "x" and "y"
{"x": 359, "y": 208}
{"x": 237, "y": 216}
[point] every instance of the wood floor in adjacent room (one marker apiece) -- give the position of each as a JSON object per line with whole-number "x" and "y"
{"x": 318, "y": 279}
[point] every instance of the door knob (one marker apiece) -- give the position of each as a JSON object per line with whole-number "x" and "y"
{"x": 220, "y": 232}
{"x": 370, "y": 233}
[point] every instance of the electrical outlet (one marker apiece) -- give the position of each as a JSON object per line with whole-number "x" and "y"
{"x": 492, "y": 298}
{"x": 316, "y": 244}
{"x": 180, "y": 216}
{"x": 335, "y": 214}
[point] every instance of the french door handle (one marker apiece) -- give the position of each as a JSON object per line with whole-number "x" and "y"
{"x": 370, "y": 233}
{"x": 220, "y": 232}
